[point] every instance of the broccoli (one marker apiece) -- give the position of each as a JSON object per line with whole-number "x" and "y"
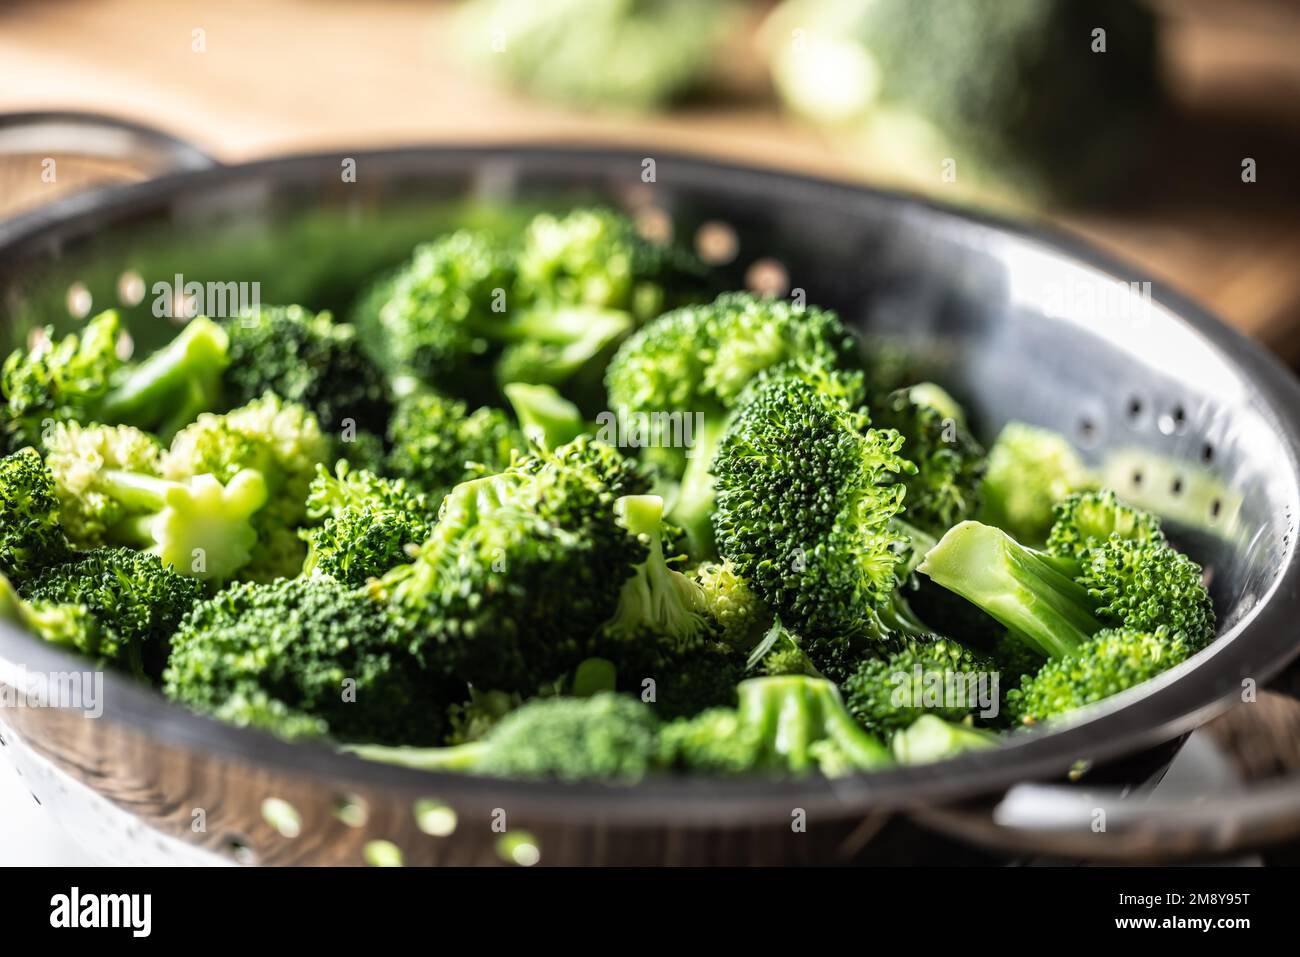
{"x": 134, "y": 598}
{"x": 31, "y": 536}
{"x": 935, "y": 676}
{"x": 436, "y": 442}
{"x": 306, "y": 358}
{"x": 541, "y": 541}
{"x": 1004, "y": 86}
{"x": 931, "y": 738}
{"x": 302, "y": 655}
{"x": 367, "y": 523}
{"x": 1058, "y": 603}
{"x": 739, "y": 616}
{"x": 628, "y": 55}
{"x": 277, "y": 440}
{"x": 1029, "y": 471}
{"x": 60, "y": 623}
{"x": 58, "y": 381}
{"x": 791, "y": 724}
{"x": 945, "y": 488}
{"x": 698, "y": 360}
{"x": 545, "y": 416}
{"x": 111, "y": 492}
{"x": 806, "y": 499}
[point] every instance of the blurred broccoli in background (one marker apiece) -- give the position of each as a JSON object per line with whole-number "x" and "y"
{"x": 616, "y": 53}
{"x": 1025, "y": 95}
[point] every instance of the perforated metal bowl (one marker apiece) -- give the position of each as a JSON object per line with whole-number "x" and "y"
{"x": 1178, "y": 410}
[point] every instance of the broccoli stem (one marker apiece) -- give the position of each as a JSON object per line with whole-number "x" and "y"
{"x": 460, "y": 757}
{"x": 170, "y": 388}
{"x": 655, "y": 597}
{"x": 1031, "y": 593}
{"x": 793, "y": 713}
{"x": 931, "y": 738}
{"x": 693, "y": 507}
{"x": 544, "y": 415}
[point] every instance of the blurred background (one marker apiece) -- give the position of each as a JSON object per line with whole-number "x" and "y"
{"x": 1167, "y": 132}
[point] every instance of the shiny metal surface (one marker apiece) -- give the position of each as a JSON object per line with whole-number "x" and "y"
{"x": 1183, "y": 413}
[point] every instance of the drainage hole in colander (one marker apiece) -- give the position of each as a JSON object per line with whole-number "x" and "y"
{"x": 1215, "y": 508}
{"x": 1176, "y": 487}
{"x": 1207, "y": 453}
{"x": 1087, "y": 431}
{"x": 716, "y": 243}
{"x": 36, "y": 799}
{"x": 1134, "y": 408}
{"x": 767, "y": 277}
{"x": 2, "y": 740}
{"x": 351, "y": 810}
{"x": 238, "y": 848}
{"x": 1137, "y": 478}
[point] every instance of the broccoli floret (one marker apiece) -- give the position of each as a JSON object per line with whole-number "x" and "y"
{"x": 1144, "y": 585}
{"x": 806, "y": 499}
{"x": 280, "y": 441}
{"x": 698, "y": 360}
{"x": 786, "y": 725}
{"x": 1029, "y": 471}
{"x": 367, "y": 523}
{"x": 740, "y": 617}
{"x": 541, "y": 541}
{"x": 136, "y": 600}
{"x": 945, "y": 489}
{"x": 167, "y": 390}
{"x": 58, "y": 381}
{"x": 544, "y": 416}
{"x": 306, "y": 358}
{"x": 110, "y": 492}
{"x": 436, "y": 442}
{"x": 71, "y": 626}
{"x": 31, "y": 536}
{"x": 1084, "y": 520}
{"x": 626, "y": 55}
{"x": 935, "y": 676}
{"x": 305, "y": 653}
{"x": 472, "y": 719}
{"x": 931, "y": 738}
{"x": 1111, "y": 661}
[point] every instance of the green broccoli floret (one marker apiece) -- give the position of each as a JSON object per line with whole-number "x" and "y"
{"x": 58, "y": 381}
{"x": 303, "y": 654}
{"x": 806, "y": 500}
{"x": 306, "y": 358}
{"x": 1056, "y": 603}
{"x": 135, "y": 599}
{"x": 1029, "y": 471}
{"x": 436, "y": 442}
{"x": 472, "y": 719}
{"x": 1084, "y": 520}
{"x": 740, "y": 617}
{"x": 544, "y": 416}
{"x": 280, "y": 441}
{"x": 930, "y": 738}
{"x": 792, "y": 724}
{"x": 111, "y": 492}
{"x": 935, "y": 676}
{"x": 367, "y": 523}
{"x": 1109, "y": 662}
{"x": 31, "y": 536}
{"x": 945, "y": 489}
{"x": 541, "y": 541}
{"x": 71, "y": 626}
{"x": 698, "y": 360}
{"x": 167, "y": 390}
{"x": 626, "y": 55}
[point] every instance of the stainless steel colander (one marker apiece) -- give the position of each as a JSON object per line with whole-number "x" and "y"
{"x": 1176, "y": 410}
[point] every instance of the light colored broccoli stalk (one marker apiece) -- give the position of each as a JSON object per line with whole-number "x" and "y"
{"x": 931, "y": 738}
{"x": 545, "y": 416}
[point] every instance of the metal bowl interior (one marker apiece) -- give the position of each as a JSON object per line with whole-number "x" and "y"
{"x": 1177, "y": 411}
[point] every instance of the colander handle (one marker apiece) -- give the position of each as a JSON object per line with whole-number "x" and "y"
{"x": 124, "y": 142}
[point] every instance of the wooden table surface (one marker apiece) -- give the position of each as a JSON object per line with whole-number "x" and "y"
{"x": 304, "y": 74}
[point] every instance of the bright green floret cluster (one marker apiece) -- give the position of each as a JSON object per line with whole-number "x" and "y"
{"x": 553, "y": 508}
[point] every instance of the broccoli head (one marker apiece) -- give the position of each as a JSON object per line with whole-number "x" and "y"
{"x": 541, "y": 542}
{"x": 69, "y": 625}
{"x": 935, "y": 676}
{"x": 306, "y": 358}
{"x": 303, "y": 654}
{"x": 31, "y": 536}
{"x": 436, "y": 442}
{"x": 740, "y": 617}
{"x": 806, "y": 498}
{"x": 1029, "y": 470}
{"x": 136, "y": 600}
{"x": 366, "y": 524}
{"x": 1084, "y": 520}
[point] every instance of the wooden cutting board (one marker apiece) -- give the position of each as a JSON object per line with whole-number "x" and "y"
{"x": 305, "y": 74}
